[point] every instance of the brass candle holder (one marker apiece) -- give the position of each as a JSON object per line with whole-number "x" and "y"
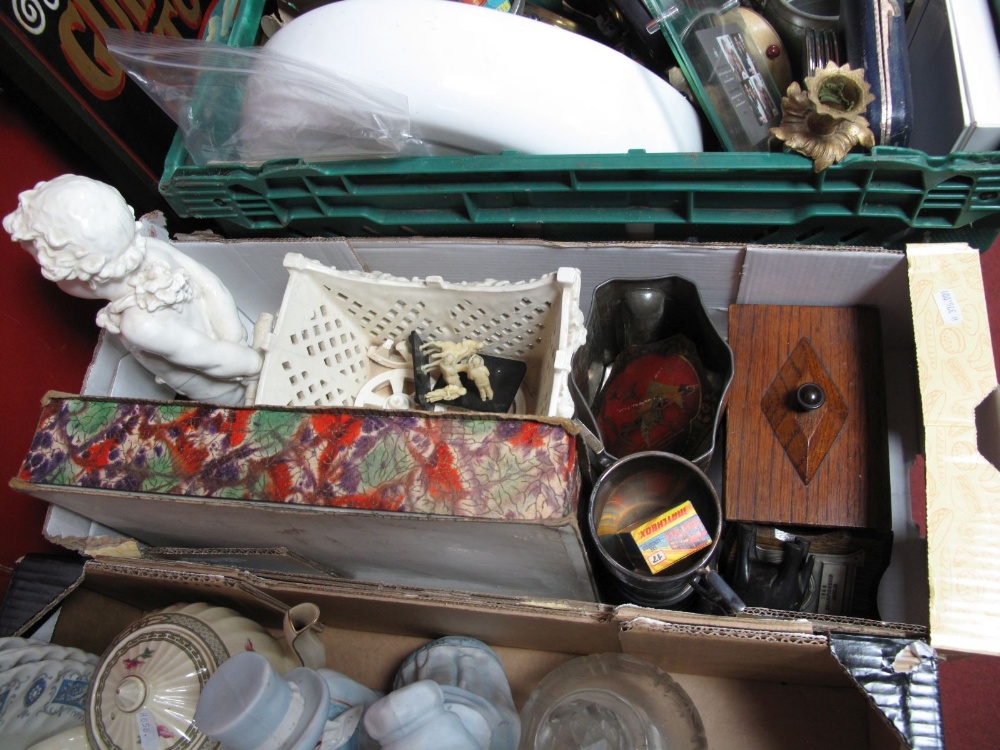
{"x": 825, "y": 120}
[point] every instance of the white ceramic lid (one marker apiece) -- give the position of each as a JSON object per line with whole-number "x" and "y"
{"x": 149, "y": 681}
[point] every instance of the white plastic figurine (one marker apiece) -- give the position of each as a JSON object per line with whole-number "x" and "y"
{"x": 451, "y": 358}
{"x": 173, "y": 314}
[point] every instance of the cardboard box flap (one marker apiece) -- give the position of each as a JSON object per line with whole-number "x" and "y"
{"x": 875, "y": 277}
{"x": 365, "y": 606}
{"x": 900, "y": 676}
{"x": 760, "y": 620}
{"x": 761, "y": 688}
{"x": 275, "y": 560}
{"x": 521, "y": 622}
{"x": 740, "y": 653}
{"x": 151, "y": 586}
{"x": 956, "y": 372}
{"x": 823, "y": 623}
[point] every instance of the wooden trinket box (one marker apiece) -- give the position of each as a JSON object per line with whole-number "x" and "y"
{"x": 806, "y": 434}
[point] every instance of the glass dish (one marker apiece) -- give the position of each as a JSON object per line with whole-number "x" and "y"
{"x": 611, "y": 701}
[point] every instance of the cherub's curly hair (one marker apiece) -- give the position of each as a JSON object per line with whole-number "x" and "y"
{"x": 78, "y": 228}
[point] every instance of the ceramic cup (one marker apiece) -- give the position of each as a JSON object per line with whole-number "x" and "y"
{"x": 466, "y": 680}
{"x": 637, "y": 488}
{"x": 246, "y": 705}
{"x": 246, "y": 700}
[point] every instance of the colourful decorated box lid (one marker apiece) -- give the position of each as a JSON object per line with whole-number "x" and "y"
{"x": 470, "y": 465}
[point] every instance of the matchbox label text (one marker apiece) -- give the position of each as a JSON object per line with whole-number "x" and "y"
{"x": 662, "y": 522}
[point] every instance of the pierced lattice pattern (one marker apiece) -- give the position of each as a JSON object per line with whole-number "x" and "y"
{"x": 317, "y": 351}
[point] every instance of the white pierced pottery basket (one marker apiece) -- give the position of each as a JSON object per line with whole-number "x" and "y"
{"x": 331, "y": 343}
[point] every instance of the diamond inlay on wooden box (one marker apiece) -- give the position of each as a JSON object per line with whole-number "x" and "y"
{"x": 806, "y": 436}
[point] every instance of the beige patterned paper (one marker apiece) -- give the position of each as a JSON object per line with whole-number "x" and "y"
{"x": 956, "y": 372}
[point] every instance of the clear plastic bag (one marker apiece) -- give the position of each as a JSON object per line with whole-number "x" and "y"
{"x": 249, "y": 105}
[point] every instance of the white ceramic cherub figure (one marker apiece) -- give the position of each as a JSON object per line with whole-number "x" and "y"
{"x": 174, "y": 315}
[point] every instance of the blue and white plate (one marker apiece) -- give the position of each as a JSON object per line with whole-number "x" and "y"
{"x": 41, "y": 698}
{"x": 17, "y": 651}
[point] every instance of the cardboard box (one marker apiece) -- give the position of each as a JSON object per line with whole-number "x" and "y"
{"x": 759, "y": 686}
{"x": 949, "y": 347}
{"x": 955, "y": 66}
{"x": 961, "y": 424}
{"x": 481, "y": 502}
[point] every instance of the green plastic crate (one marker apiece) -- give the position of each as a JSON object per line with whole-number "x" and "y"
{"x": 877, "y": 198}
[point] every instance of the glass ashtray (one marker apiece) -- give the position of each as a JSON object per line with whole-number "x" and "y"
{"x": 611, "y": 702}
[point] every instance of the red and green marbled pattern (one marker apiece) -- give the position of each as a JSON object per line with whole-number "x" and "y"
{"x": 476, "y": 466}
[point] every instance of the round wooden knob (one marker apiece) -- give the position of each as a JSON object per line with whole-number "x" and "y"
{"x": 810, "y": 396}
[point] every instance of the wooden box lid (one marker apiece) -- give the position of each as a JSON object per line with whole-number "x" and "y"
{"x": 787, "y": 463}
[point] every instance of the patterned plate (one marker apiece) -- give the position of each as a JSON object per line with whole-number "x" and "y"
{"x": 17, "y": 651}
{"x": 40, "y": 699}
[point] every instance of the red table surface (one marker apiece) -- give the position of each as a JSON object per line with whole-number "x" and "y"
{"x": 48, "y": 339}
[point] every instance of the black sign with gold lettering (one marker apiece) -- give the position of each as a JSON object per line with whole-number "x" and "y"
{"x": 54, "y": 50}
